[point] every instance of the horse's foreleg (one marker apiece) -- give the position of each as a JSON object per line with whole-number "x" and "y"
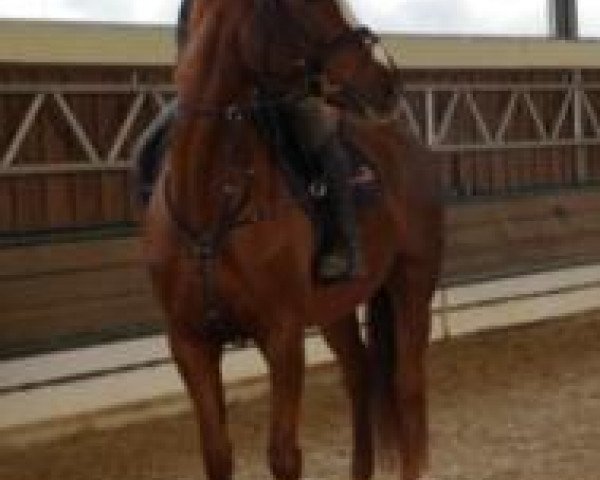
{"x": 344, "y": 339}
{"x": 198, "y": 361}
{"x": 284, "y": 352}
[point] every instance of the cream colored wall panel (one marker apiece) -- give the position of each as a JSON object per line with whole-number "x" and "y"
{"x": 118, "y": 44}
{"x": 89, "y": 43}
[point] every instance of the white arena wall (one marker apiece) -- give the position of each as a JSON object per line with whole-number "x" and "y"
{"x": 139, "y": 374}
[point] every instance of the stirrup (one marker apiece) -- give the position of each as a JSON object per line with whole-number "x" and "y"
{"x": 338, "y": 265}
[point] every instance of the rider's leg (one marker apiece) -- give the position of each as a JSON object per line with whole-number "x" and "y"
{"x": 150, "y": 148}
{"x": 340, "y": 259}
{"x": 152, "y": 143}
{"x": 317, "y": 126}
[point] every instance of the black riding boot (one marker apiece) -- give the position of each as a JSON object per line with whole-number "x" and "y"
{"x": 340, "y": 256}
{"x": 317, "y": 126}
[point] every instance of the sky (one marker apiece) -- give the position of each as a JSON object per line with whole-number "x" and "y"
{"x": 495, "y": 17}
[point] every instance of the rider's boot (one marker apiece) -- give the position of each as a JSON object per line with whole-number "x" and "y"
{"x": 317, "y": 125}
{"x": 340, "y": 258}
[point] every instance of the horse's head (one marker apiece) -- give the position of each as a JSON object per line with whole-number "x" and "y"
{"x": 294, "y": 43}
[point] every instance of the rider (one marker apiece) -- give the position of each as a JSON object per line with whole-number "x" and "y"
{"x": 317, "y": 126}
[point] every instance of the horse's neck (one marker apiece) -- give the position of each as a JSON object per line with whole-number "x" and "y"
{"x": 204, "y": 141}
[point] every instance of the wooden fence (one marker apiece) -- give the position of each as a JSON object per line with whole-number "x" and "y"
{"x": 64, "y": 137}
{"x": 66, "y": 133}
{"x": 60, "y": 295}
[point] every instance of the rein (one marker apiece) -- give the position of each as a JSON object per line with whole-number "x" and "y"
{"x": 206, "y": 244}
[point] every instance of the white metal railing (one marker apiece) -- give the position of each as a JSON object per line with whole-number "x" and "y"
{"x": 574, "y": 118}
{"x": 431, "y": 110}
{"x": 42, "y": 94}
{"x": 575, "y": 95}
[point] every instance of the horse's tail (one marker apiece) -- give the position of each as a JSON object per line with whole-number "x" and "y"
{"x": 382, "y": 355}
{"x": 398, "y": 386}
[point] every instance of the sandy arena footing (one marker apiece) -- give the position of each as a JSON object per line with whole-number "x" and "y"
{"x": 519, "y": 404}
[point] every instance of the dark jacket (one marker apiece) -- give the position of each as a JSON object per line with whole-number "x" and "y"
{"x": 182, "y": 23}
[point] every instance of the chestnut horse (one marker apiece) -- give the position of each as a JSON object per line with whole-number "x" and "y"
{"x": 231, "y": 254}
